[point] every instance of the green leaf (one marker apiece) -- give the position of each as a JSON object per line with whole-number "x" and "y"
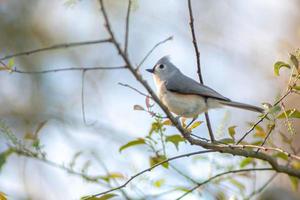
{"x": 159, "y": 183}
{"x": 285, "y": 138}
{"x": 175, "y": 139}
{"x": 11, "y": 63}
{"x": 112, "y": 175}
{"x": 157, "y": 159}
{"x": 294, "y": 182}
{"x": 103, "y": 197}
{"x": 281, "y": 155}
{"x": 294, "y": 60}
{"x": 167, "y": 122}
{"x": 195, "y": 125}
{"x": 246, "y": 161}
{"x": 238, "y": 184}
{"x": 231, "y": 131}
{"x": 279, "y": 65}
{"x": 3, "y": 196}
{"x": 156, "y": 127}
{"x": 226, "y": 141}
{"x": 293, "y": 113}
{"x": 3, "y": 157}
{"x": 296, "y": 87}
{"x": 138, "y": 141}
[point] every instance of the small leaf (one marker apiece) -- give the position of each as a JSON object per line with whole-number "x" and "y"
{"x": 138, "y": 107}
{"x": 293, "y": 113}
{"x": 175, "y": 139}
{"x": 159, "y": 183}
{"x": 246, "y": 161}
{"x": 296, "y": 164}
{"x": 2, "y": 196}
{"x": 138, "y": 141}
{"x": 226, "y": 141}
{"x": 183, "y": 120}
{"x": 231, "y": 131}
{"x": 195, "y": 125}
{"x": 296, "y": 87}
{"x": 11, "y": 63}
{"x": 281, "y": 155}
{"x": 3, "y": 157}
{"x": 294, "y": 60}
{"x": 285, "y": 138}
{"x": 104, "y": 197}
{"x": 238, "y": 184}
{"x": 182, "y": 189}
{"x": 115, "y": 175}
{"x": 167, "y": 122}
{"x": 279, "y": 65}
{"x": 148, "y": 104}
{"x": 157, "y": 159}
{"x": 294, "y": 182}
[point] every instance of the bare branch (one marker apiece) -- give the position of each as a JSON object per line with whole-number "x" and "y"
{"x": 222, "y": 174}
{"x": 127, "y": 27}
{"x": 34, "y": 156}
{"x": 268, "y": 135}
{"x": 67, "y": 69}
{"x": 54, "y": 47}
{"x": 151, "y": 50}
{"x": 148, "y": 170}
{"x": 289, "y": 91}
{"x": 197, "y": 52}
{"x": 129, "y": 86}
{"x": 83, "y": 100}
{"x": 256, "y": 192}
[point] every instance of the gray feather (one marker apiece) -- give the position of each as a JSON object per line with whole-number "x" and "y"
{"x": 190, "y": 86}
{"x": 242, "y": 106}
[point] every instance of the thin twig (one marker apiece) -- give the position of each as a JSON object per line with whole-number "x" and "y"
{"x": 54, "y": 47}
{"x": 266, "y": 138}
{"x": 67, "y": 69}
{"x": 129, "y": 86}
{"x": 256, "y": 192}
{"x": 197, "y": 52}
{"x": 222, "y": 174}
{"x": 151, "y": 50}
{"x": 148, "y": 170}
{"x": 264, "y": 116}
{"x": 83, "y": 100}
{"x": 127, "y": 27}
{"x": 31, "y": 155}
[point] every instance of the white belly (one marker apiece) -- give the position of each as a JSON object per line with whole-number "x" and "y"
{"x": 185, "y": 105}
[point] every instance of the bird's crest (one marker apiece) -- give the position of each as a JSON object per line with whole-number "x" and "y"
{"x": 165, "y": 59}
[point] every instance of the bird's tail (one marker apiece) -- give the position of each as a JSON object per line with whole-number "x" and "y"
{"x": 242, "y": 106}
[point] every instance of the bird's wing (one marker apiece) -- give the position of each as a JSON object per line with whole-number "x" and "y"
{"x": 185, "y": 85}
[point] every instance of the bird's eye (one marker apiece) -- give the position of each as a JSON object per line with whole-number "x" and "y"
{"x": 161, "y": 66}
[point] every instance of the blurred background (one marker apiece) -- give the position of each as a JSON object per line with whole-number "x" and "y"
{"x": 239, "y": 43}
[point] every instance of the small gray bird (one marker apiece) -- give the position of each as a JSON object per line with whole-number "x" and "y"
{"x": 186, "y": 97}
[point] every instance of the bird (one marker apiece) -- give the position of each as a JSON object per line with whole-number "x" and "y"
{"x": 186, "y": 97}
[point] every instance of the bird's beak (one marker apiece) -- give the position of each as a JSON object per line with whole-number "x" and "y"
{"x": 150, "y": 70}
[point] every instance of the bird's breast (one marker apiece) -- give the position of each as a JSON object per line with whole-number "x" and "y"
{"x": 184, "y": 105}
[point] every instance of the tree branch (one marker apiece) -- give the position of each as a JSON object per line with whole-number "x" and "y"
{"x": 67, "y": 69}
{"x": 148, "y": 170}
{"x": 197, "y": 52}
{"x": 151, "y": 50}
{"x": 127, "y": 27}
{"x": 54, "y": 47}
{"x": 222, "y": 174}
